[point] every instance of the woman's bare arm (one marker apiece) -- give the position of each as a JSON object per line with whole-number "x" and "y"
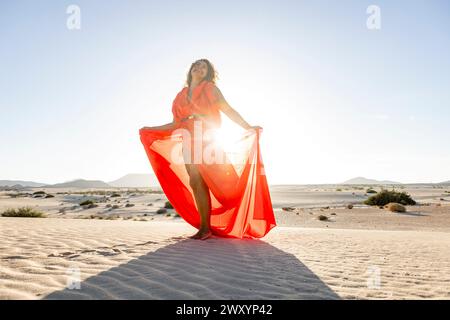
{"x": 229, "y": 111}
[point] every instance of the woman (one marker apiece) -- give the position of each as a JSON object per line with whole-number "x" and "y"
{"x": 197, "y": 106}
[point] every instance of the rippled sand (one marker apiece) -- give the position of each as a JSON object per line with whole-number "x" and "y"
{"x": 44, "y": 258}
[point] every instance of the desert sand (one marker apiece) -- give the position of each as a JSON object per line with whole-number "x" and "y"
{"x": 359, "y": 253}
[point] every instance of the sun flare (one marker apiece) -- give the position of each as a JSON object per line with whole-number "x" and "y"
{"x": 228, "y": 137}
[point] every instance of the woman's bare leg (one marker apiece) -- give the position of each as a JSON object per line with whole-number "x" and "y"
{"x": 202, "y": 200}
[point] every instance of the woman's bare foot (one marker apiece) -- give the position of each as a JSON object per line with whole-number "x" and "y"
{"x": 205, "y": 235}
{"x": 195, "y": 236}
{"x": 202, "y": 234}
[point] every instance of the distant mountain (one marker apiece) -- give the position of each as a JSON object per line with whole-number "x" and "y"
{"x": 362, "y": 180}
{"x": 136, "y": 180}
{"x": 10, "y": 183}
{"x": 445, "y": 182}
{"x": 81, "y": 183}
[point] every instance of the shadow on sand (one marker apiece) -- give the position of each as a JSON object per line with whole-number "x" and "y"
{"x": 412, "y": 213}
{"x": 217, "y": 268}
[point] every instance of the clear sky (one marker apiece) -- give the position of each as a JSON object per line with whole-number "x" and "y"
{"x": 336, "y": 99}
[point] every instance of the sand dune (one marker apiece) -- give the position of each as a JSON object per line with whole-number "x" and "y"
{"x": 41, "y": 259}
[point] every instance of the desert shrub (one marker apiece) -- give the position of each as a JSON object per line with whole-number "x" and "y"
{"x": 38, "y": 195}
{"x": 370, "y": 190}
{"x": 161, "y": 210}
{"x": 95, "y": 216}
{"x": 384, "y": 197}
{"x": 395, "y": 207}
{"x": 129, "y": 205}
{"x": 86, "y": 203}
{"x": 115, "y": 195}
{"x": 25, "y": 212}
{"x": 39, "y": 192}
{"x": 19, "y": 194}
{"x": 350, "y": 206}
{"x": 168, "y": 205}
{"x": 322, "y": 218}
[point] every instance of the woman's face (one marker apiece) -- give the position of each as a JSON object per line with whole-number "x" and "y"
{"x": 199, "y": 70}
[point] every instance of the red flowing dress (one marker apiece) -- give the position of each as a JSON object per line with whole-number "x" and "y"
{"x": 241, "y": 206}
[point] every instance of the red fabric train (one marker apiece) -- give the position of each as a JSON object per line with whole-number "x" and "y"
{"x": 241, "y": 206}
